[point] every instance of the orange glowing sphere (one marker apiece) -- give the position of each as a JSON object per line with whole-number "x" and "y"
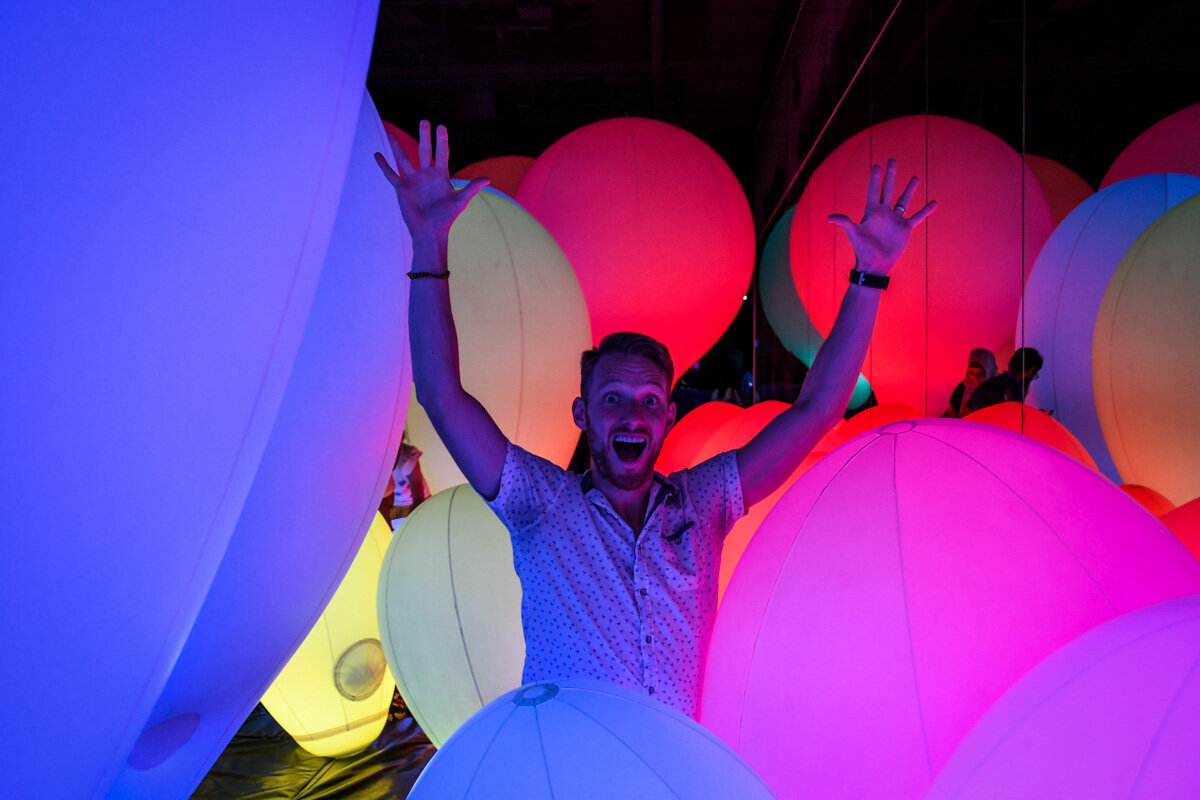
{"x": 1153, "y": 501}
{"x": 1184, "y": 522}
{"x": 691, "y": 433}
{"x": 1064, "y": 189}
{"x": 1035, "y": 424}
{"x": 505, "y": 172}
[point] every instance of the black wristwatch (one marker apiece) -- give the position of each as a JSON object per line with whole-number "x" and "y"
{"x": 869, "y": 280}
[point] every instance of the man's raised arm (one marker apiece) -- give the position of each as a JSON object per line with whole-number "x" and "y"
{"x": 429, "y": 205}
{"x": 878, "y": 241}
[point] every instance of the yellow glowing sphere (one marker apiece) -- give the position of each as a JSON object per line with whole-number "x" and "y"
{"x": 1146, "y": 357}
{"x": 333, "y": 695}
{"x": 522, "y": 323}
{"x": 450, "y": 611}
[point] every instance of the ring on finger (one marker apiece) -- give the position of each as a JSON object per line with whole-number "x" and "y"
{"x": 899, "y": 209}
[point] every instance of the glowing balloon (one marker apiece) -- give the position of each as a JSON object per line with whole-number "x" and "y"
{"x": 1114, "y": 714}
{"x": 334, "y": 694}
{"x": 156, "y": 285}
{"x": 450, "y": 611}
{"x": 781, "y": 303}
{"x": 505, "y": 172}
{"x": 1146, "y": 357}
{"x": 691, "y": 433}
{"x": 959, "y": 283}
{"x": 1153, "y": 501}
{"x": 580, "y": 738}
{"x": 522, "y": 325}
{"x": 313, "y": 497}
{"x": 902, "y": 585}
{"x": 1063, "y": 294}
{"x": 1022, "y": 419}
{"x": 1169, "y": 145}
{"x": 656, "y": 226}
{"x": 408, "y": 144}
{"x": 1184, "y": 522}
{"x": 1064, "y": 189}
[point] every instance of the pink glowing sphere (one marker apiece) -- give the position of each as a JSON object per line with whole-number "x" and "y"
{"x": 642, "y": 210}
{"x": 1035, "y": 424}
{"x": 1114, "y": 714}
{"x": 1184, "y": 522}
{"x": 1170, "y": 145}
{"x": 505, "y": 172}
{"x": 1064, "y": 188}
{"x": 959, "y": 282}
{"x": 902, "y": 585}
{"x": 691, "y": 433}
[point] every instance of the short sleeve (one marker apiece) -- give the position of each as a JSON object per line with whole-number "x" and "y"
{"x": 714, "y": 489}
{"x": 529, "y": 487}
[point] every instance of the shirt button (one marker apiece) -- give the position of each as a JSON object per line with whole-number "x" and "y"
{"x": 642, "y": 592}
{"x": 650, "y": 690}
{"x": 647, "y": 640}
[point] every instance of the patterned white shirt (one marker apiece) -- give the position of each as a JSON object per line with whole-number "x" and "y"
{"x": 601, "y": 602}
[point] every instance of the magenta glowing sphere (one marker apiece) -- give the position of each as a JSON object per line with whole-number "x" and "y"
{"x": 691, "y": 433}
{"x": 643, "y": 209}
{"x": 1064, "y": 290}
{"x": 1114, "y": 714}
{"x": 583, "y": 739}
{"x": 1170, "y": 145}
{"x": 958, "y": 284}
{"x": 902, "y": 585}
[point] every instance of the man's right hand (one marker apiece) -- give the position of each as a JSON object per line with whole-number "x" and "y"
{"x": 428, "y": 201}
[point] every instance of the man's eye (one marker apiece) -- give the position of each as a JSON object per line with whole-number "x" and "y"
{"x": 651, "y": 400}
{"x": 610, "y": 398}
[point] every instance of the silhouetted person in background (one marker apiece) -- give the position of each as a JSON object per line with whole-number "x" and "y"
{"x": 981, "y": 367}
{"x": 1011, "y": 384}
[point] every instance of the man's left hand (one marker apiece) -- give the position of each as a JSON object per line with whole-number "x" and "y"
{"x": 880, "y": 238}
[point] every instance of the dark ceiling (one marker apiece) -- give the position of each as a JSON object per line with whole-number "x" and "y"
{"x": 760, "y": 79}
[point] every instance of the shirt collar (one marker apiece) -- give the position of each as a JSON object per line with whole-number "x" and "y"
{"x": 668, "y": 491}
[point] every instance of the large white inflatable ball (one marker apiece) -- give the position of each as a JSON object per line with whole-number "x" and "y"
{"x": 1113, "y": 715}
{"x": 315, "y": 493}
{"x": 171, "y": 175}
{"x": 1064, "y": 290}
{"x": 584, "y": 739}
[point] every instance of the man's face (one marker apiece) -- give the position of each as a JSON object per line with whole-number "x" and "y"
{"x": 626, "y": 415}
{"x": 975, "y": 374}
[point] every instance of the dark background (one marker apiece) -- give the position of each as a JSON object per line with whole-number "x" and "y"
{"x": 762, "y": 82}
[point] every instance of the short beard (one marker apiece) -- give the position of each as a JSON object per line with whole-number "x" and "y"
{"x": 601, "y": 463}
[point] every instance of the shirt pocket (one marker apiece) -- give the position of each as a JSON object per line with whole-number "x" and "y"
{"x": 683, "y": 564}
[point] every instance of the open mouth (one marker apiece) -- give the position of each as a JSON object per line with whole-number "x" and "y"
{"x": 630, "y": 446}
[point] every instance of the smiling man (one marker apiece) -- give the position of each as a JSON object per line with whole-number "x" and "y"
{"x": 619, "y": 566}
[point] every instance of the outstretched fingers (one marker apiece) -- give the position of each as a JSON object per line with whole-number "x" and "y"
{"x": 923, "y": 213}
{"x": 424, "y": 147}
{"x": 889, "y": 181}
{"x": 464, "y": 195}
{"x": 906, "y": 196}
{"x": 873, "y": 188}
{"x": 442, "y": 155}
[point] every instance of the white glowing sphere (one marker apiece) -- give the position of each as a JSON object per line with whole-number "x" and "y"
{"x": 171, "y": 176}
{"x": 582, "y": 739}
{"x": 522, "y": 324}
{"x": 450, "y": 611}
{"x": 1064, "y": 290}
{"x": 334, "y": 693}
{"x": 314, "y": 493}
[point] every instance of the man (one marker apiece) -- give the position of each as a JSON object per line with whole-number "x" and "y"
{"x": 619, "y": 566}
{"x": 1010, "y": 385}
